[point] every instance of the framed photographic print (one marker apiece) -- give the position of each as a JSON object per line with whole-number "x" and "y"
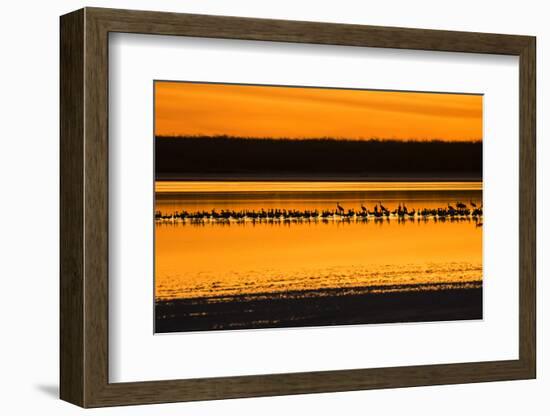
{"x": 255, "y": 207}
{"x": 268, "y": 217}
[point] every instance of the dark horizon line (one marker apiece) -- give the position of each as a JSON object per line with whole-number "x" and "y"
{"x": 314, "y": 138}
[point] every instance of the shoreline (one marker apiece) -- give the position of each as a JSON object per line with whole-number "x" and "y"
{"x": 313, "y": 308}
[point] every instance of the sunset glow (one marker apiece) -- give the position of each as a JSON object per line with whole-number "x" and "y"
{"x": 184, "y": 109}
{"x": 280, "y": 207}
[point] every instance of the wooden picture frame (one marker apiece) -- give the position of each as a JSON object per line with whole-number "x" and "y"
{"x": 84, "y": 207}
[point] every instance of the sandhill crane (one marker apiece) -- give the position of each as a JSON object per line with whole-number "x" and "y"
{"x": 223, "y": 216}
{"x": 460, "y": 205}
{"x": 382, "y": 207}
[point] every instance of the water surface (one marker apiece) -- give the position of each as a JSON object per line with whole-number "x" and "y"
{"x": 210, "y": 259}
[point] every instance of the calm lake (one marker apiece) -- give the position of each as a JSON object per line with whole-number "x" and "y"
{"x": 212, "y": 259}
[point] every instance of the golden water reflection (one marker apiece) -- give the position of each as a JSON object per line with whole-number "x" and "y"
{"x": 308, "y": 186}
{"x": 236, "y": 259}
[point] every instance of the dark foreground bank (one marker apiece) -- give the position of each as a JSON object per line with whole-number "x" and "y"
{"x": 310, "y": 308}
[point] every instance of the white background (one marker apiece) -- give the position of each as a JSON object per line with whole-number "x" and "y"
{"x": 136, "y": 355}
{"x": 29, "y": 209}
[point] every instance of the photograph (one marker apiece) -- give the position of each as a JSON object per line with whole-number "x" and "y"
{"x": 279, "y": 206}
{"x": 273, "y": 205}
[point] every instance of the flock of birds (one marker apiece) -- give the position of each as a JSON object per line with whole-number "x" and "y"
{"x": 401, "y": 212}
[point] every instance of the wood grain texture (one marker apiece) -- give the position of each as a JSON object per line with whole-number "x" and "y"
{"x": 96, "y": 208}
{"x": 72, "y": 368}
{"x": 84, "y": 207}
{"x": 225, "y": 27}
{"x": 527, "y": 208}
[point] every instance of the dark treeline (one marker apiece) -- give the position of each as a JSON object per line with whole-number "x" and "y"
{"x": 221, "y": 155}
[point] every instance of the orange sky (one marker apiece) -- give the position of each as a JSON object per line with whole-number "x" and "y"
{"x": 257, "y": 111}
